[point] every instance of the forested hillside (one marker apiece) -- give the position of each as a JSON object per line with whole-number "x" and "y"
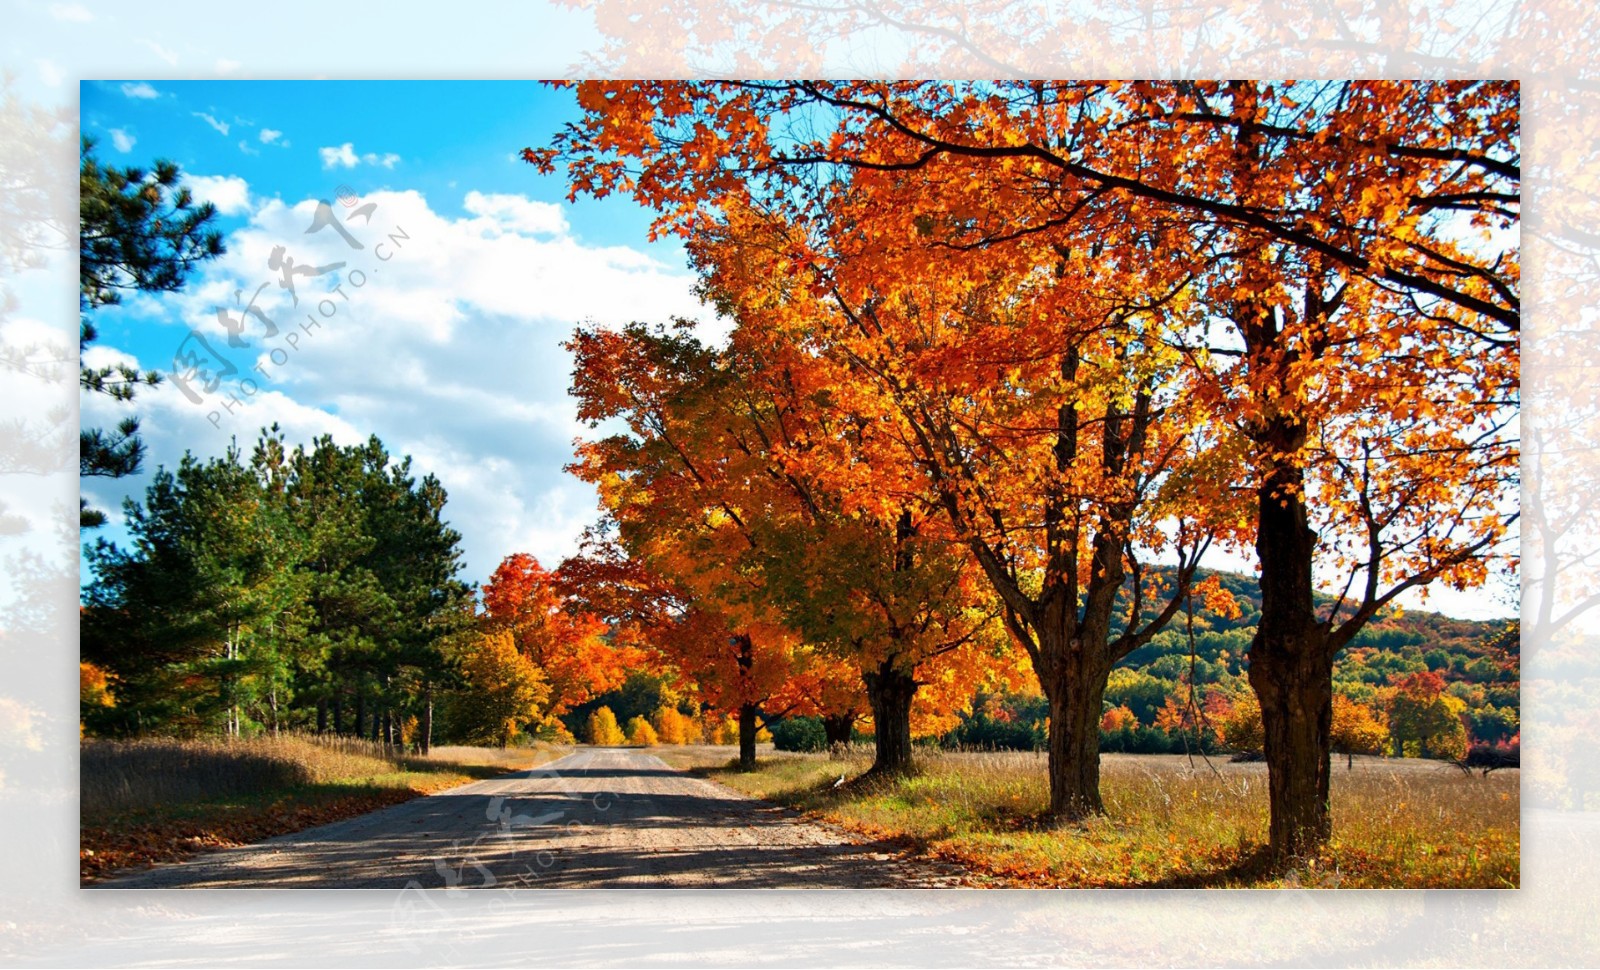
{"x": 1434, "y": 684}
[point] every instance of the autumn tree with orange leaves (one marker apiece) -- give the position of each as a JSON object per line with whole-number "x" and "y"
{"x": 1034, "y": 410}
{"x": 567, "y": 645}
{"x": 1064, "y": 300}
{"x": 746, "y": 668}
{"x": 719, "y": 445}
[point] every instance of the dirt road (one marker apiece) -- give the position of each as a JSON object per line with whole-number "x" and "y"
{"x": 599, "y": 818}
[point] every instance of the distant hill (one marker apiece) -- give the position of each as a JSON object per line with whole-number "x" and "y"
{"x": 1478, "y": 660}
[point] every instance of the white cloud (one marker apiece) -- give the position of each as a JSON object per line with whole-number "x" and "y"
{"x": 449, "y": 351}
{"x": 122, "y": 141}
{"x": 221, "y": 126}
{"x": 345, "y": 156}
{"x": 517, "y": 213}
{"x": 270, "y": 135}
{"x": 229, "y": 193}
{"x": 140, "y": 89}
{"x": 247, "y": 148}
{"x": 71, "y": 12}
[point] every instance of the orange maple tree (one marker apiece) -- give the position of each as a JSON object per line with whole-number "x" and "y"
{"x": 999, "y": 275}
{"x": 734, "y": 663}
{"x": 722, "y": 444}
{"x": 567, "y": 644}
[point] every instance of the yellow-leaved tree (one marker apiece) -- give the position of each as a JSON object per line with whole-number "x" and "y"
{"x": 603, "y": 728}
{"x": 502, "y": 691}
{"x": 641, "y": 733}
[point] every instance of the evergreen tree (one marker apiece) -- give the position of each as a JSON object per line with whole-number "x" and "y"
{"x": 139, "y": 231}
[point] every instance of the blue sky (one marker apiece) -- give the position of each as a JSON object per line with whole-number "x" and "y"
{"x": 441, "y": 334}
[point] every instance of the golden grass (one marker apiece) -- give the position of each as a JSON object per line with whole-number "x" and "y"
{"x": 1168, "y": 823}
{"x": 119, "y": 776}
{"x": 161, "y": 800}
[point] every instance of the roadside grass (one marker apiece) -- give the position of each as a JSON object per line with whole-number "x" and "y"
{"x": 1168, "y": 823}
{"x": 162, "y": 800}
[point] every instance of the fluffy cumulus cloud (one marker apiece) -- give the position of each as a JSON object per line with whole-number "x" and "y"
{"x": 229, "y": 193}
{"x": 140, "y": 90}
{"x": 122, "y": 141}
{"x": 516, "y": 213}
{"x": 440, "y": 334}
{"x": 270, "y": 135}
{"x": 344, "y": 156}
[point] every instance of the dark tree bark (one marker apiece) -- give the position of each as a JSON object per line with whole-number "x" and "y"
{"x": 1074, "y": 659}
{"x": 890, "y": 691}
{"x": 747, "y": 736}
{"x": 1291, "y": 670}
{"x": 322, "y": 716}
{"x": 836, "y": 729}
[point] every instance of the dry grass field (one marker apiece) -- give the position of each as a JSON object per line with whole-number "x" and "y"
{"x": 1169, "y": 822}
{"x": 161, "y": 800}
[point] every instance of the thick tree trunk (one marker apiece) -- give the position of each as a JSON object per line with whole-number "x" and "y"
{"x": 1291, "y": 670}
{"x": 1074, "y": 741}
{"x": 747, "y": 736}
{"x": 836, "y": 729}
{"x": 890, "y": 691}
{"x": 322, "y": 716}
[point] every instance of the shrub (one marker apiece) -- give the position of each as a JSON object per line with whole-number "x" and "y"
{"x": 799, "y": 734}
{"x": 1241, "y": 730}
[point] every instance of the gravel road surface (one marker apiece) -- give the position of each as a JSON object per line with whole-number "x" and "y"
{"x": 598, "y": 818}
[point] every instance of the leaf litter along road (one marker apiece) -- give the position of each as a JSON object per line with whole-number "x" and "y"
{"x": 599, "y": 818}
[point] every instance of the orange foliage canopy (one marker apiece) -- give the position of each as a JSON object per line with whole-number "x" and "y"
{"x": 1102, "y": 318}
{"x": 567, "y": 644}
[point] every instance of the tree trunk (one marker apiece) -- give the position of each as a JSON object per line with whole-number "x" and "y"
{"x": 747, "y": 736}
{"x": 890, "y": 692}
{"x": 322, "y": 716}
{"x": 1291, "y": 671}
{"x": 1075, "y": 697}
{"x": 836, "y": 729}
{"x": 426, "y": 734}
{"x": 338, "y": 714}
{"x": 361, "y": 715}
